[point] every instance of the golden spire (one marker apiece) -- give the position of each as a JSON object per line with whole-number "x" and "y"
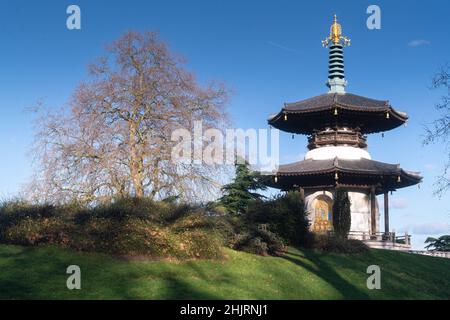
{"x": 336, "y": 35}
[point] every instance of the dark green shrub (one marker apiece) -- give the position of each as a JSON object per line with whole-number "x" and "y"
{"x": 122, "y": 209}
{"x": 337, "y": 244}
{"x": 25, "y": 224}
{"x": 254, "y": 245}
{"x": 259, "y": 240}
{"x": 266, "y": 226}
{"x": 231, "y": 229}
{"x": 129, "y": 236}
{"x": 124, "y": 227}
{"x": 192, "y": 220}
{"x": 188, "y": 238}
{"x": 34, "y": 231}
{"x": 172, "y": 213}
{"x": 196, "y": 243}
{"x": 284, "y": 215}
{"x": 12, "y": 212}
{"x": 239, "y": 235}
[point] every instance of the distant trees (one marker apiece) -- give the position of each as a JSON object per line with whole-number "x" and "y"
{"x": 439, "y": 130}
{"x": 113, "y": 138}
{"x": 440, "y": 244}
{"x": 242, "y": 190}
{"x": 341, "y": 214}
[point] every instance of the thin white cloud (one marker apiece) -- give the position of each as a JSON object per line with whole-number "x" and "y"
{"x": 418, "y": 43}
{"x": 430, "y": 228}
{"x": 280, "y": 46}
{"x": 429, "y": 166}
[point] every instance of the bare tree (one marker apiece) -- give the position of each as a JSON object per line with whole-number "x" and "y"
{"x": 113, "y": 138}
{"x": 439, "y": 130}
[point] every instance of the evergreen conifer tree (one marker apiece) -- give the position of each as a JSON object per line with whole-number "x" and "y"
{"x": 341, "y": 214}
{"x": 242, "y": 190}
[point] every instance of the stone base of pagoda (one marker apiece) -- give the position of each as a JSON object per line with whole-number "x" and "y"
{"x": 389, "y": 241}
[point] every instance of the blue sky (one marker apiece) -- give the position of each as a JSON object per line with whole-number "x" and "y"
{"x": 267, "y": 52}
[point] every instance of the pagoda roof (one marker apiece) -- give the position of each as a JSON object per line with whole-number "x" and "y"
{"x": 356, "y": 173}
{"x": 338, "y": 109}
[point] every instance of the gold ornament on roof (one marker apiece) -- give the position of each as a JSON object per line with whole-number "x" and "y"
{"x": 336, "y": 35}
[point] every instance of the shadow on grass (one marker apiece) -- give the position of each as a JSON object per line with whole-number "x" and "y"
{"x": 39, "y": 273}
{"x": 327, "y": 273}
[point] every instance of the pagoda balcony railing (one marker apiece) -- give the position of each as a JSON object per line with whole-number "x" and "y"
{"x": 337, "y": 137}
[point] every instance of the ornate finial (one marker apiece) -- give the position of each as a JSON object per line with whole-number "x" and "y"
{"x": 336, "y": 41}
{"x": 336, "y": 35}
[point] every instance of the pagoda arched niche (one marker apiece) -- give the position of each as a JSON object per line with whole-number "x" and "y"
{"x": 359, "y": 206}
{"x": 320, "y": 211}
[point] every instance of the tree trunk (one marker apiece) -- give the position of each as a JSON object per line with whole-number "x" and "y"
{"x": 136, "y": 163}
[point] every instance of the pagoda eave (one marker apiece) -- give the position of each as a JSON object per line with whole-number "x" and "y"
{"x": 338, "y": 110}
{"x": 347, "y": 173}
{"x": 382, "y": 183}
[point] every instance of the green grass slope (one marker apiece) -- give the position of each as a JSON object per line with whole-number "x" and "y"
{"x": 40, "y": 273}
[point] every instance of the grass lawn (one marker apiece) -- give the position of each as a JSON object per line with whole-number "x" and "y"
{"x": 40, "y": 273}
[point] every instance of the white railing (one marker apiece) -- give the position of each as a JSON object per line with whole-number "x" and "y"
{"x": 431, "y": 253}
{"x": 381, "y": 236}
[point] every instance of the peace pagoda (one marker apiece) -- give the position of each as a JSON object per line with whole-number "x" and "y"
{"x": 337, "y": 124}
